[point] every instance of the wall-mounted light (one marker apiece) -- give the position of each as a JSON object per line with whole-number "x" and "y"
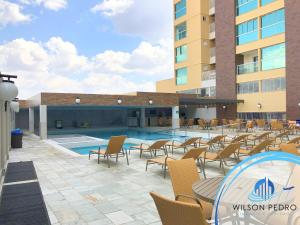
{"x": 299, "y": 104}
{"x": 15, "y": 105}
{"x": 77, "y": 100}
{"x": 259, "y": 105}
{"x": 119, "y": 101}
{"x": 8, "y": 89}
{"x": 150, "y": 102}
{"x": 224, "y": 107}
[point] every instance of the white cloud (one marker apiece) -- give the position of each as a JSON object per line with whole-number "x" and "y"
{"x": 150, "y": 19}
{"x": 112, "y": 7}
{"x": 56, "y": 66}
{"x": 49, "y": 4}
{"x": 11, "y": 13}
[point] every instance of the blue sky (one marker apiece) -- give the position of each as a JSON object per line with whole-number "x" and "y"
{"x": 91, "y": 46}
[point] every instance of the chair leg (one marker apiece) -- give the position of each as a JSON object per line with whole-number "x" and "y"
{"x": 126, "y": 154}
{"x": 222, "y": 164}
{"x": 165, "y": 170}
{"x": 117, "y": 157}
{"x": 98, "y": 158}
{"x": 140, "y": 153}
{"x": 108, "y": 162}
{"x": 147, "y": 165}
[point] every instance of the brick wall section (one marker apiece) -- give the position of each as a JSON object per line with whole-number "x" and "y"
{"x": 292, "y": 8}
{"x": 140, "y": 99}
{"x": 225, "y": 55}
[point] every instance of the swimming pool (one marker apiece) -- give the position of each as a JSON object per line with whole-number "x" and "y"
{"x": 136, "y": 134}
{"x": 86, "y": 150}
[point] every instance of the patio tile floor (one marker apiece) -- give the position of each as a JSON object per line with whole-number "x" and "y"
{"x": 79, "y": 191}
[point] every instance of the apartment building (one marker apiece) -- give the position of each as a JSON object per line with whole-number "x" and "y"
{"x": 239, "y": 49}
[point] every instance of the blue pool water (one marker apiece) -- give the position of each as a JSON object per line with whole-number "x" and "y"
{"x": 138, "y": 134}
{"x": 130, "y": 133}
{"x": 86, "y": 150}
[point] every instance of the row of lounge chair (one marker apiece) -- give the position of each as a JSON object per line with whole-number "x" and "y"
{"x": 185, "y": 208}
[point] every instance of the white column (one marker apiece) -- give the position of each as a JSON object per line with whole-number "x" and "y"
{"x": 143, "y": 117}
{"x": 2, "y": 137}
{"x": 43, "y": 122}
{"x": 175, "y": 117}
{"x": 9, "y": 129}
{"x": 31, "y": 120}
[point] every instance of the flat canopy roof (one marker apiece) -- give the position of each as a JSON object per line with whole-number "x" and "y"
{"x": 208, "y": 101}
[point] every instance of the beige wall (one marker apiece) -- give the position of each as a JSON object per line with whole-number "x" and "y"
{"x": 271, "y": 101}
{"x": 198, "y": 47}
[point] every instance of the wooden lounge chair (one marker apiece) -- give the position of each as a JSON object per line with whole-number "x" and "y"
{"x": 178, "y": 213}
{"x": 260, "y": 123}
{"x": 258, "y": 137}
{"x": 202, "y": 124}
{"x": 183, "y": 175}
{"x": 190, "y": 123}
{"x": 221, "y": 155}
{"x": 156, "y": 146}
{"x": 217, "y": 140}
{"x": 184, "y": 145}
{"x": 238, "y": 139}
{"x": 290, "y": 148}
{"x": 249, "y": 125}
{"x": 255, "y": 149}
{"x": 191, "y": 154}
{"x": 295, "y": 140}
{"x": 114, "y": 149}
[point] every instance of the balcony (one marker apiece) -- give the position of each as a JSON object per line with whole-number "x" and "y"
{"x": 212, "y": 9}
{"x": 212, "y": 56}
{"x": 212, "y": 31}
{"x": 252, "y": 67}
{"x": 209, "y": 75}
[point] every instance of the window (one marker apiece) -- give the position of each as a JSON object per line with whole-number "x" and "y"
{"x": 244, "y": 6}
{"x": 180, "y": 9}
{"x": 181, "y": 54}
{"x": 277, "y": 84}
{"x": 273, "y": 57}
{"x": 181, "y": 76}
{"x": 248, "y": 87}
{"x": 180, "y": 31}
{"x": 265, "y": 116}
{"x": 273, "y": 23}
{"x": 266, "y": 2}
{"x": 247, "y": 32}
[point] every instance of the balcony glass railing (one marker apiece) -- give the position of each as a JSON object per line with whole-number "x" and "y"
{"x": 209, "y": 75}
{"x": 252, "y": 67}
{"x": 212, "y": 27}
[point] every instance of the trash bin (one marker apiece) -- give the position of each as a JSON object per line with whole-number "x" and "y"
{"x": 16, "y": 138}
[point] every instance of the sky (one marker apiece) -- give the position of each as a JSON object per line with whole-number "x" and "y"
{"x": 86, "y": 46}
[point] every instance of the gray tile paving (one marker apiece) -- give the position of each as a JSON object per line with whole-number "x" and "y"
{"x": 79, "y": 191}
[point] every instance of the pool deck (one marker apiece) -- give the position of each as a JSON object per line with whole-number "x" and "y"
{"x": 79, "y": 191}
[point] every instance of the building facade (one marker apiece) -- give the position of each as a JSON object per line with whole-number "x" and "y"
{"x": 239, "y": 49}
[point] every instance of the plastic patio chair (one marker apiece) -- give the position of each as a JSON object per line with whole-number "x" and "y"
{"x": 255, "y": 149}
{"x": 178, "y": 213}
{"x": 217, "y": 140}
{"x": 183, "y": 175}
{"x": 184, "y": 145}
{"x": 191, "y": 154}
{"x": 221, "y": 155}
{"x": 153, "y": 148}
{"x": 114, "y": 149}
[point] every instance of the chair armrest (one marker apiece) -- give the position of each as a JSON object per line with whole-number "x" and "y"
{"x": 188, "y": 197}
